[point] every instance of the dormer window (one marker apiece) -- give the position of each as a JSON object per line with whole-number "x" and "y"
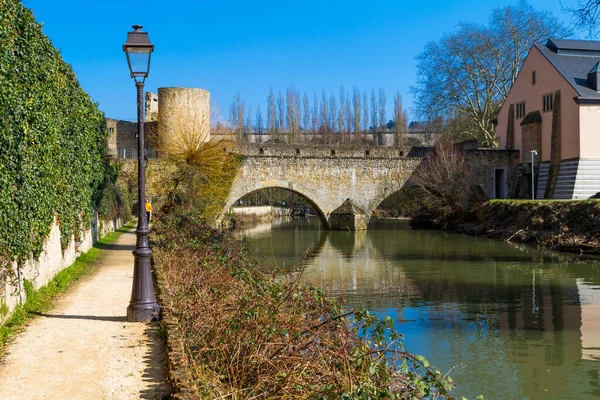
{"x": 532, "y": 77}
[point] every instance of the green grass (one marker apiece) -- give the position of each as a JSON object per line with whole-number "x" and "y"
{"x": 540, "y": 200}
{"x": 42, "y": 300}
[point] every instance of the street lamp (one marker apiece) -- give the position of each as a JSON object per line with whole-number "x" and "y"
{"x": 533, "y": 153}
{"x": 143, "y": 305}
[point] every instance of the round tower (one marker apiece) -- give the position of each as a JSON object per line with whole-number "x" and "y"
{"x": 184, "y": 112}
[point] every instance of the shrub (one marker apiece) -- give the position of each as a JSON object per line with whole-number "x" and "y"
{"x": 445, "y": 186}
{"x": 249, "y": 335}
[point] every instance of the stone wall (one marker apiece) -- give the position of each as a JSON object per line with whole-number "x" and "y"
{"x": 326, "y": 176}
{"x": 485, "y": 162}
{"x": 261, "y": 210}
{"x": 51, "y": 261}
{"x": 151, "y": 107}
{"x": 321, "y": 150}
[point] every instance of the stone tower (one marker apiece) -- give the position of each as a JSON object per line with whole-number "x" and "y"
{"x": 184, "y": 111}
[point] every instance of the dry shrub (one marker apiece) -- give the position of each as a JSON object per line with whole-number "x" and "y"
{"x": 248, "y": 335}
{"x": 444, "y": 186}
{"x": 203, "y": 171}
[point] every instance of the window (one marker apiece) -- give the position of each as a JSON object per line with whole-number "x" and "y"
{"x": 520, "y": 110}
{"x": 547, "y": 102}
{"x": 110, "y": 130}
{"x": 333, "y": 152}
{"x": 533, "y": 77}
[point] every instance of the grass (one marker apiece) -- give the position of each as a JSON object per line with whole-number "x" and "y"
{"x": 42, "y": 300}
{"x": 541, "y": 200}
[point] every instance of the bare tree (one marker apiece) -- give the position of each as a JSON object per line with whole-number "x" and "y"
{"x": 280, "y": 113}
{"x": 333, "y": 112}
{"x": 444, "y": 181}
{"x": 349, "y": 116}
{"x": 356, "y": 105}
{"x": 259, "y": 121}
{"x": 400, "y": 123}
{"x": 324, "y": 112}
{"x": 233, "y": 115}
{"x": 271, "y": 113}
{"x": 342, "y": 114}
{"x": 238, "y": 116}
{"x": 466, "y": 75}
{"x": 315, "y": 114}
{"x": 374, "y": 116}
{"x": 293, "y": 112}
{"x": 381, "y": 111}
{"x": 365, "y": 109}
{"x": 306, "y": 114}
{"x": 248, "y": 126}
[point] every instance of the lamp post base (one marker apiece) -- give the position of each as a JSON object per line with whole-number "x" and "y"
{"x": 143, "y": 305}
{"x": 140, "y": 312}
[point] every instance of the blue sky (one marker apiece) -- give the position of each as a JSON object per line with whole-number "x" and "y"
{"x": 226, "y": 46}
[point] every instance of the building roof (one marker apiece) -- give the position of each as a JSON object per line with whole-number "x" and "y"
{"x": 573, "y": 59}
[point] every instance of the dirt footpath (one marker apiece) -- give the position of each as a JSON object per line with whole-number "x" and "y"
{"x": 84, "y": 348}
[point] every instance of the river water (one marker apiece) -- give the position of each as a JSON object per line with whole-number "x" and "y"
{"x": 513, "y": 321}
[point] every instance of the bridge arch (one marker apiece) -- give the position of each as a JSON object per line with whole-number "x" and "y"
{"x": 386, "y": 195}
{"x": 235, "y": 195}
{"x": 344, "y": 185}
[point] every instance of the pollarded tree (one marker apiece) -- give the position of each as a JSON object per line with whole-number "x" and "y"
{"x": 467, "y": 74}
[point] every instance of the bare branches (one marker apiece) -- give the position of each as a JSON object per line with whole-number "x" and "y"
{"x": 467, "y": 74}
{"x": 585, "y": 15}
{"x": 444, "y": 182}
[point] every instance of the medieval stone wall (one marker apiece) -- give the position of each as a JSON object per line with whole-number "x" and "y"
{"x": 326, "y": 179}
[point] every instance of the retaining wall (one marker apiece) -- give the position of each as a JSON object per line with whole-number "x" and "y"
{"x": 51, "y": 261}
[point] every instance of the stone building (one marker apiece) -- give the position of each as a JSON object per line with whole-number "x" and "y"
{"x": 551, "y": 116}
{"x": 173, "y": 111}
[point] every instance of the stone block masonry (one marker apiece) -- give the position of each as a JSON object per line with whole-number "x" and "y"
{"x": 326, "y": 176}
{"x": 51, "y": 261}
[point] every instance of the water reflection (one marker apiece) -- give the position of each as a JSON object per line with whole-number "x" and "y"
{"x": 518, "y": 322}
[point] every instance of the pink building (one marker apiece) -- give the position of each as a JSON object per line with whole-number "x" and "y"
{"x": 554, "y": 109}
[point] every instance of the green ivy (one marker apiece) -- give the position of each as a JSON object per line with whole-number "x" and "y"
{"x": 52, "y": 139}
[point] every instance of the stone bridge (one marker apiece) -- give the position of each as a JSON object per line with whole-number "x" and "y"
{"x": 344, "y": 185}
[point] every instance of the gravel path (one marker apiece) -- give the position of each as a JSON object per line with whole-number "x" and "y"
{"x": 84, "y": 348}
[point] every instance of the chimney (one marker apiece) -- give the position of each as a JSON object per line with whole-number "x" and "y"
{"x": 593, "y": 77}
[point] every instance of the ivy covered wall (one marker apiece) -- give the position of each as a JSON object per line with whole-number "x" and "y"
{"x": 52, "y": 140}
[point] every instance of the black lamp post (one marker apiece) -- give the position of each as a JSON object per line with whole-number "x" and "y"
{"x": 143, "y": 305}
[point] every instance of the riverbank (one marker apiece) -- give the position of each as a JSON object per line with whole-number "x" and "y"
{"x": 240, "y": 333}
{"x": 571, "y": 226}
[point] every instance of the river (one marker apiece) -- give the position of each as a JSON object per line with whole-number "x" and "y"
{"x": 513, "y": 321}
